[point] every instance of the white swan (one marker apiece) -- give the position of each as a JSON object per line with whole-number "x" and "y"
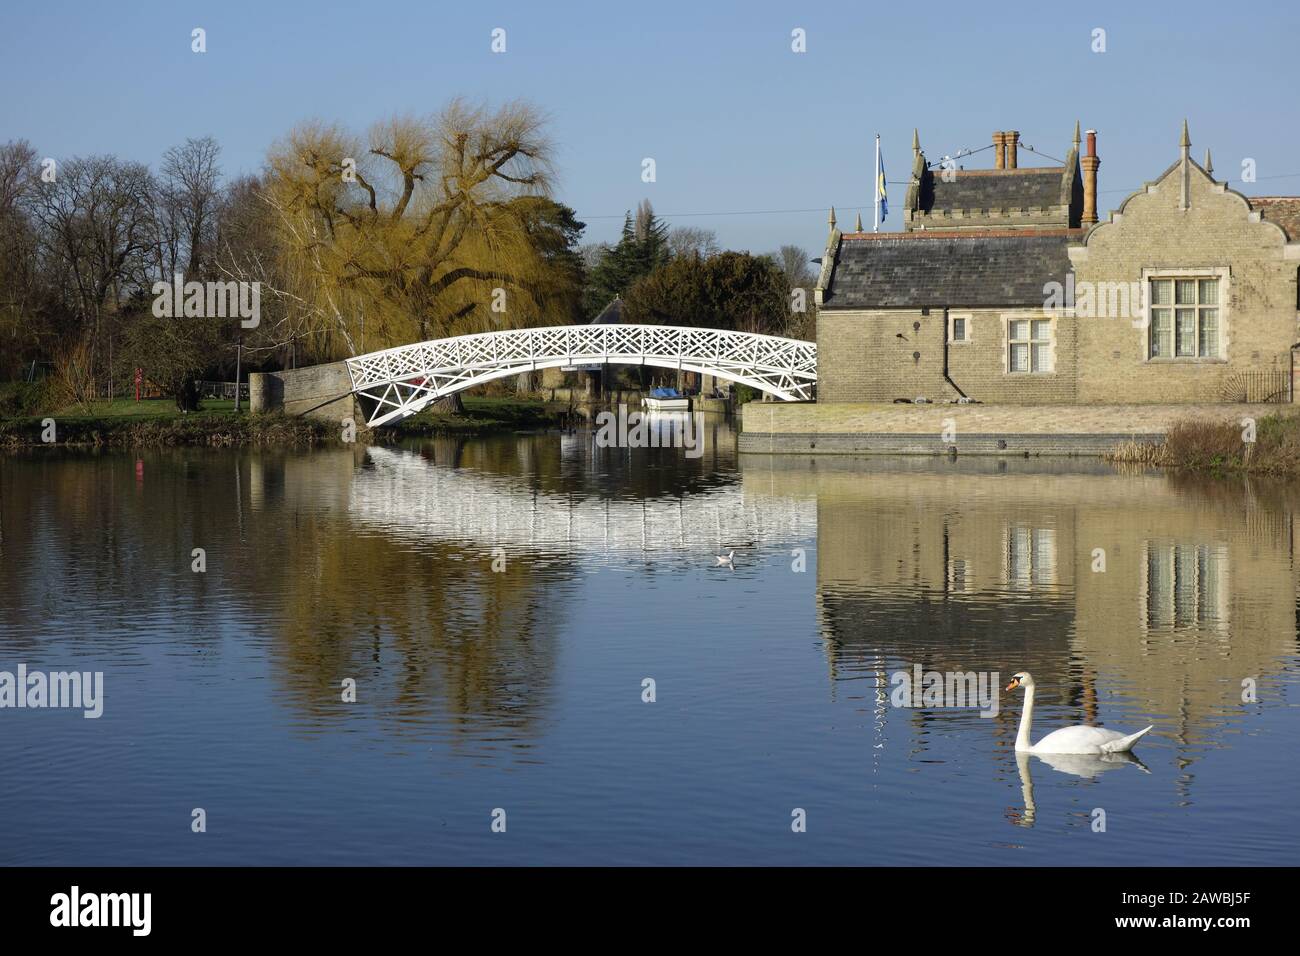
{"x": 1068, "y": 740}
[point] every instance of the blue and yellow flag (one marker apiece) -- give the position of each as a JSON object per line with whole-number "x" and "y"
{"x": 881, "y": 193}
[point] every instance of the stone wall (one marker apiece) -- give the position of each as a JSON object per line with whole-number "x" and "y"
{"x": 1004, "y": 430}
{"x": 861, "y": 358}
{"x": 978, "y": 366}
{"x": 1216, "y": 234}
{"x": 317, "y": 391}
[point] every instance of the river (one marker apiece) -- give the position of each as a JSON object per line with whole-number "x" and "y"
{"x": 503, "y": 610}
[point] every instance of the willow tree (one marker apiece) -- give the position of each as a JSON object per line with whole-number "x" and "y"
{"x": 426, "y": 228}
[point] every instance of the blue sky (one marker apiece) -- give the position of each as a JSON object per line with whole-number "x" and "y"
{"x": 735, "y": 121}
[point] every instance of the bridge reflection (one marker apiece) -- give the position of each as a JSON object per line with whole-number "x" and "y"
{"x": 407, "y": 495}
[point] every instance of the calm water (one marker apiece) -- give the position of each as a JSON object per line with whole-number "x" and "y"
{"x": 521, "y": 688}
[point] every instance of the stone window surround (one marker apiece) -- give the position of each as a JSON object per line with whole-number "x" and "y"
{"x": 1224, "y": 275}
{"x": 967, "y": 319}
{"x": 1036, "y": 315}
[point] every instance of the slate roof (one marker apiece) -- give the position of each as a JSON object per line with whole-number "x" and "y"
{"x": 1283, "y": 210}
{"x": 994, "y": 189}
{"x": 961, "y": 269}
{"x": 611, "y": 314}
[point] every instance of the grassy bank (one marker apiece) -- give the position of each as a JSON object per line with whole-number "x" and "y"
{"x": 216, "y": 428}
{"x": 1218, "y": 447}
{"x": 127, "y": 423}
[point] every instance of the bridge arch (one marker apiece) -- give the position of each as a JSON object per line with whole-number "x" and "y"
{"x": 396, "y": 383}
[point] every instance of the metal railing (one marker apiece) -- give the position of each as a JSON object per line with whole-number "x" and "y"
{"x": 1260, "y": 386}
{"x": 401, "y": 381}
{"x": 223, "y": 390}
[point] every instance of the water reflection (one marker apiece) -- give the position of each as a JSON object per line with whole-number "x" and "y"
{"x": 1156, "y": 597}
{"x": 1086, "y": 766}
{"x": 499, "y": 601}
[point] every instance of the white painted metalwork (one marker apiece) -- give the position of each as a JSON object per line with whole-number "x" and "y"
{"x": 400, "y": 382}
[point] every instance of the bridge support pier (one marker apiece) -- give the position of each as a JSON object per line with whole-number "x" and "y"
{"x": 317, "y": 391}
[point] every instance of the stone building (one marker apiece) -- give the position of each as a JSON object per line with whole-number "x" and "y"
{"x": 1004, "y": 287}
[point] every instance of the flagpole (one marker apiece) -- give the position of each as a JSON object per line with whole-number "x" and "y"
{"x": 876, "y": 186}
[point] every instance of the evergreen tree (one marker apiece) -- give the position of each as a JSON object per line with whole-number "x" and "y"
{"x": 642, "y": 248}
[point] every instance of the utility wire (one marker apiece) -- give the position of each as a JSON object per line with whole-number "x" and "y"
{"x": 891, "y": 182}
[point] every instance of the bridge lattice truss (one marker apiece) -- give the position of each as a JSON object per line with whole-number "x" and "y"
{"x": 400, "y": 382}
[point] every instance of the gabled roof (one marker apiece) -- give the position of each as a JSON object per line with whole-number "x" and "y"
{"x": 993, "y": 268}
{"x": 1283, "y": 210}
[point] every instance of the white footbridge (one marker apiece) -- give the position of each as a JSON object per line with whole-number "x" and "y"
{"x": 396, "y": 383}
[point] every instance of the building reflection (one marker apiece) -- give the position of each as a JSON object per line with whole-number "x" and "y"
{"x": 1160, "y": 595}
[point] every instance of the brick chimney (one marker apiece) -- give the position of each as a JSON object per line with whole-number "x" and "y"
{"x": 1012, "y": 140}
{"x": 1090, "y": 162}
{"x": 999, "y": 151}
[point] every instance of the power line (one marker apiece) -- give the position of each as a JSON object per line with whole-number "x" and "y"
{"x": 1044, "y": 155}
{"x": 961, "y": 154}
{"x": 891, "y": 182}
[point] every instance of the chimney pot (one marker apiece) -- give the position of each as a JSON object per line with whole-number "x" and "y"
{"x": 1090, "y": 163}
{"x": 999, "y": 150}
{"x": 1013, "y": 146}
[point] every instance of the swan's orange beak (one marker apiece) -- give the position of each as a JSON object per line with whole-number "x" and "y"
{"x": 1015, "y": 682}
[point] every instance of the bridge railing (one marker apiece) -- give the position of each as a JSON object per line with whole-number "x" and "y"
{"x": 400, "y": 381}
{"x": 612, "y": 343}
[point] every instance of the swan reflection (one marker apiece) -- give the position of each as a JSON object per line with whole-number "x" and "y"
{"x": 1087, "y": 766}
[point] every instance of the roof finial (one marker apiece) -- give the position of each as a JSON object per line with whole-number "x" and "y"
{"x": 1185, "y": 145}
{"x": 1209, "y": 163}
{"x": 1077, "y": 138}
{"x": 858, "y": 227}
{"x": 831, "y": 220}
{"x": 916, "y": 141}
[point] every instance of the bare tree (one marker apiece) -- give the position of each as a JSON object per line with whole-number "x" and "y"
{"x": 97, "y": 229}
{"x": 795, "y": 266}
{"x": 20, "y": 275}
{"x": 592, "y": 252}
{"x": 794, "y": 262}
{"x": 191, "y": 190}
{"x": 693, "y": 241}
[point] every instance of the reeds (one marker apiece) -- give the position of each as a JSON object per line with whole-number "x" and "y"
{"x": 1221, "y": 446}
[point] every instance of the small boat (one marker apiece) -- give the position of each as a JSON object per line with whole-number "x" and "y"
{"x": 666, "y": 400}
